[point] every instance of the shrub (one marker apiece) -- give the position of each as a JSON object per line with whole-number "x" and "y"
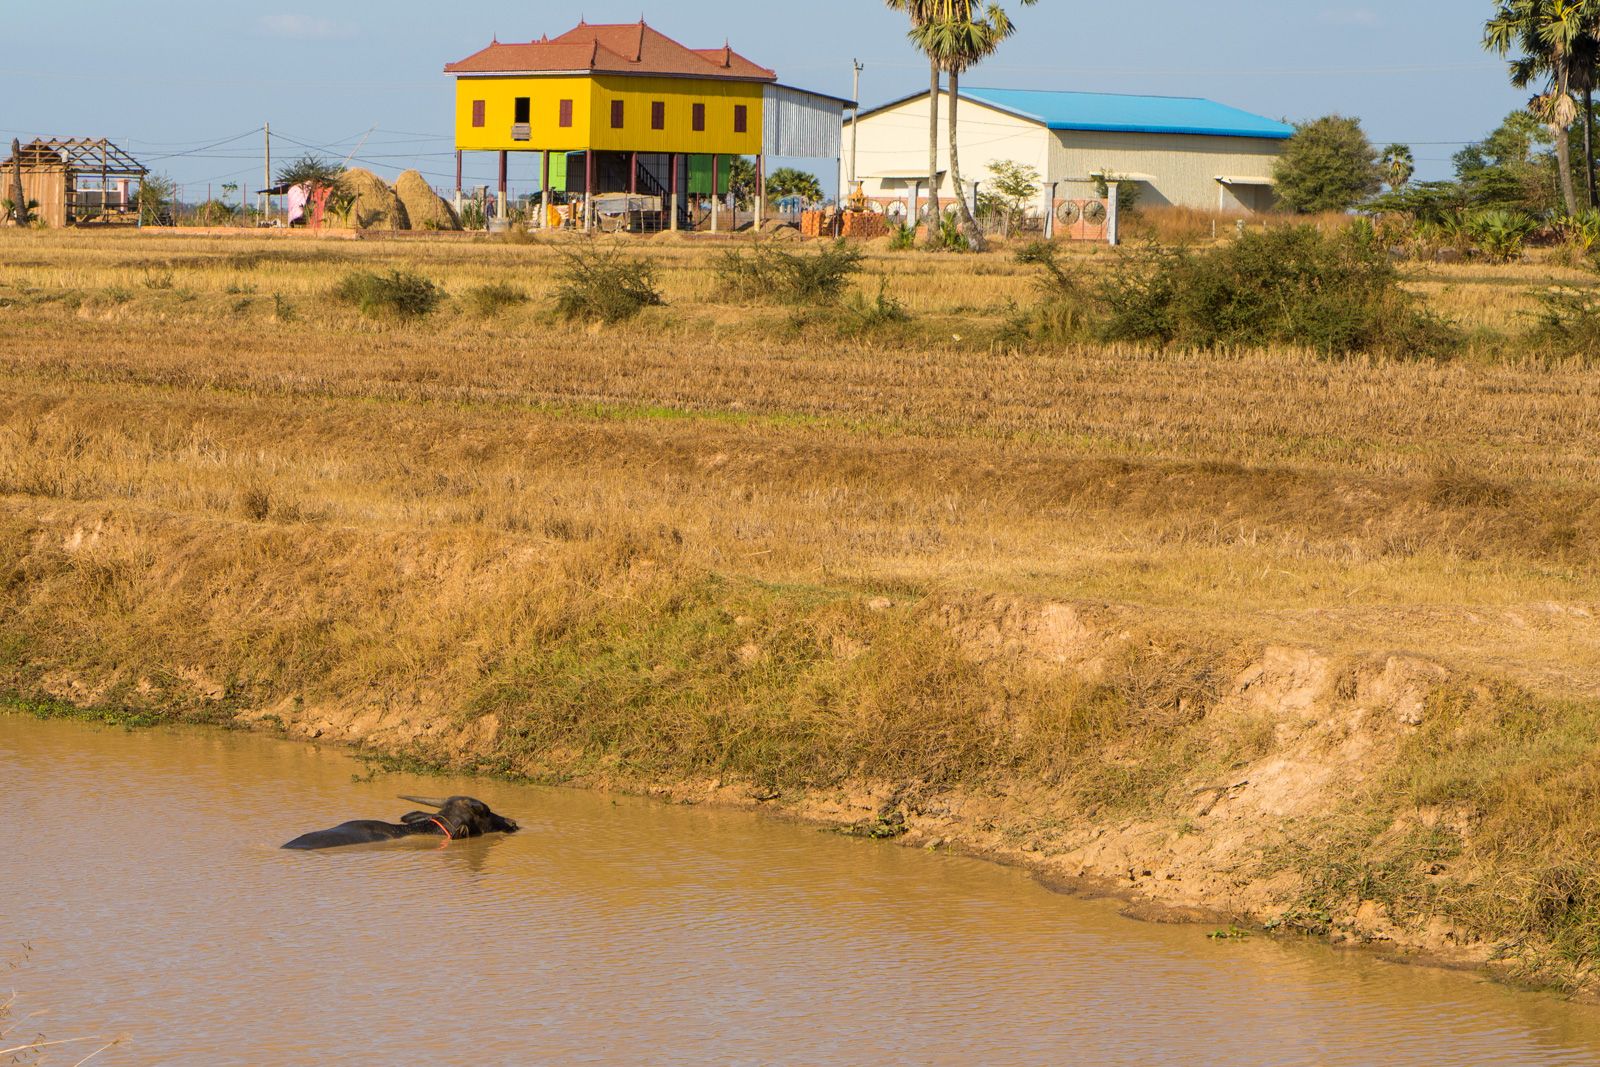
{"x": 1569, "y": 322}
{"x": 902, "y": 237}
{"x": 1499, "y": 233}
{"x": 768, "y": 272}
{"x": 881, "y": 310}
{"x": 951, "y": 239}
{"x": 1064, "y": 311}
{"x": 1336, "y": 293}
{"x": 603, "y": 285}
{"x": 472, "y": 216}
{"x": 399, "y": 293}
{"x": 495, "y": 298}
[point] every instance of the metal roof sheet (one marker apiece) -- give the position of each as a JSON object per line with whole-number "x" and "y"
{"x": 1117, "y": 113}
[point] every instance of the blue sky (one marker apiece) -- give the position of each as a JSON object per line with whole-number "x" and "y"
{"x": 170, "y": 81}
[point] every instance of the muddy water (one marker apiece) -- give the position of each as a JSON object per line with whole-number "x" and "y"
{"x": 143, "y": 870}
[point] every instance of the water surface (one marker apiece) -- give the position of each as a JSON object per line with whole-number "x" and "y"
{"x": 143, "y": 869}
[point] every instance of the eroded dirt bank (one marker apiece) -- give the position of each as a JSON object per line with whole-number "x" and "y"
{"x": 1380, "y": 799}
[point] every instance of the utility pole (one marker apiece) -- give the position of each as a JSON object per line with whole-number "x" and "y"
{"x": 19, "y": 199}
{"x": 855, "y": 120}
{"x": 266, "y": 197}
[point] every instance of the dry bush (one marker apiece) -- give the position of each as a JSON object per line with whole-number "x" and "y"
{"x": 601, "y": 284}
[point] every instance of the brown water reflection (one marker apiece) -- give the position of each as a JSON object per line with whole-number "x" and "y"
{"x": 144, "y": 869}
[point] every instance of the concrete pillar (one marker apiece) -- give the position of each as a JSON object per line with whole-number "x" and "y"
{"x": 458, "y": 183}
{"x": 716, "y": 187}
{"x": 501, "y": 199}
{"x": 674, "y": 189}
{"x": 761, "y": 190}
{"x": 544, "y": 189}
{"x": 1049, "y": 210}
{"x": 588, "y": 191}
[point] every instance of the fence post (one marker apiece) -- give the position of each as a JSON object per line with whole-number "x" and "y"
{"x": 1111, "y": 214}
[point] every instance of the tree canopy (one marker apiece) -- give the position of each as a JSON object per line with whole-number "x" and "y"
{"x": 790, "y": 181}
{"x": 1328, "y": 165}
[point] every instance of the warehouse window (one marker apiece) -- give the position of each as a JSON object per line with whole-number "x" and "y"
{"x": 566, "y": 114}
{"x": 658, "y": 115}
{"x": 741, "y": 118}
{"x": 524, "y": 110}
{"x": 616, "y": 114}
{"x": 699, "y": 118}
{"x": 477, "y": 114}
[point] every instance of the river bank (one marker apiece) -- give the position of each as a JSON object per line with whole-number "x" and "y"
{"x": 1276, "y": 787}
{"x": 1308, "y": 643}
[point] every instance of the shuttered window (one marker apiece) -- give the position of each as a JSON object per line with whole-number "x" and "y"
{"x": 741, "y": 118}
{"x": 658, "y": 115}
{"x": 699, "y": 118}
{"x": 566, "y": 114}
{"x": 616, "y": 114}
{"x": 478, "y": 114}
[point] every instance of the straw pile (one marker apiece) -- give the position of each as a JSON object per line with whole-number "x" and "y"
{"x": 375, "y": 207}
{"x": 425, "y": 209}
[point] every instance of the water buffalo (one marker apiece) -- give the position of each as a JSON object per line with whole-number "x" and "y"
{"x": 457, "y": 817}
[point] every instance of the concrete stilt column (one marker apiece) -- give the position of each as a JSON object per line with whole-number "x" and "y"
{"x": 588, "y": 191}
{"x": 674, "y": 168}
{"x": 716, "y": 200}
{"x": 500, "y": 201}
{"x": 544, "y": 190}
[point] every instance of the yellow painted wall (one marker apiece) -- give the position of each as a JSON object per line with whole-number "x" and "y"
{"x": 591, "y": 114}
{"x": 545, "y": 96}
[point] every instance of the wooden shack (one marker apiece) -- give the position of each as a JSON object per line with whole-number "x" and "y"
{"x": 76, "y": 181}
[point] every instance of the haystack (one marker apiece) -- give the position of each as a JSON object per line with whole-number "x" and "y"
{"x": 425, "y": 209}
{"x": 375, "y": 207}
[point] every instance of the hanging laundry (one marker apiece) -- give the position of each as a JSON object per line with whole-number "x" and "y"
{"x": 299, "y": 196}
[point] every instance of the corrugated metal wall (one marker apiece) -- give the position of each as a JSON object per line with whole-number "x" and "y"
{"x": 799, "y": 124}
{"x": 1185, "y": 166}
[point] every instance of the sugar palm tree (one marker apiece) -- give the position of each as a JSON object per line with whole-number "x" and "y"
{"x": 1550, "y": 37}
{"x": 1398, "y": 166}
{"x": 921, "y": 12}
{"x": 960, "y": 35}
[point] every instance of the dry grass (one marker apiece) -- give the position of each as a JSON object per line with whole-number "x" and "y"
{"x": 718, "y": 539}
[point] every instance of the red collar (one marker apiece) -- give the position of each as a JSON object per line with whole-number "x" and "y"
{"x": 448, "y": 836}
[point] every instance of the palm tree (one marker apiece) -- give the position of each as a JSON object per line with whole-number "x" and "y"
{"x": 921, "y": 12}
{"x": 1550, "y": 35}
{"x": 1398, "y": 166}
{"x": 1585, "y": 78}
{"x": 959, "y": 36}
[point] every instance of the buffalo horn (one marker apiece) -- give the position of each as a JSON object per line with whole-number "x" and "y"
{"x": 432, "y": 802}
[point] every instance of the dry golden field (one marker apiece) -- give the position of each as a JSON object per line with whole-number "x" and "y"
{"x": 731, "y": 539}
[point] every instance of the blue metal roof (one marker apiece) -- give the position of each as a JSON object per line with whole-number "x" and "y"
{"x": 1130, "y": 114}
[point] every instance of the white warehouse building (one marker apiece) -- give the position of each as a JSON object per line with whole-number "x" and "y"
{"x": 1181, "y": 150}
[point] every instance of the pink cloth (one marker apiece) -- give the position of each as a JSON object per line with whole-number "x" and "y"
{"x": 299, "y": 195}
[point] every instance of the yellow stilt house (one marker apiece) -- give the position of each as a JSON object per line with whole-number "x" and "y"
{"x": 623, "y": 114}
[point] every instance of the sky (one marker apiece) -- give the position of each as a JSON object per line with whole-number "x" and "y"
{"x": 186, "y": 85}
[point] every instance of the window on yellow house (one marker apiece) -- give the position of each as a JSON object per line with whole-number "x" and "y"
{"x": 658, "y": 115}
{"x": 616, "y": 114}
{"x": 478, "y": 114}
{"x": 524, "y": 109}
{"x": 699, "y": 118}
{"x": 741, "y": 118}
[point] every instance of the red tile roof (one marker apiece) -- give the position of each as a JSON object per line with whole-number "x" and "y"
{"x": 625, "y": 48}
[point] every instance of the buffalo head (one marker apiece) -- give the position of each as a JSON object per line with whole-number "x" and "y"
{"x": 464, "y": 816}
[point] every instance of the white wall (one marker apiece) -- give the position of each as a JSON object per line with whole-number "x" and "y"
{"x": 895, "y": 141}
{"x": 1185, "y": 166}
